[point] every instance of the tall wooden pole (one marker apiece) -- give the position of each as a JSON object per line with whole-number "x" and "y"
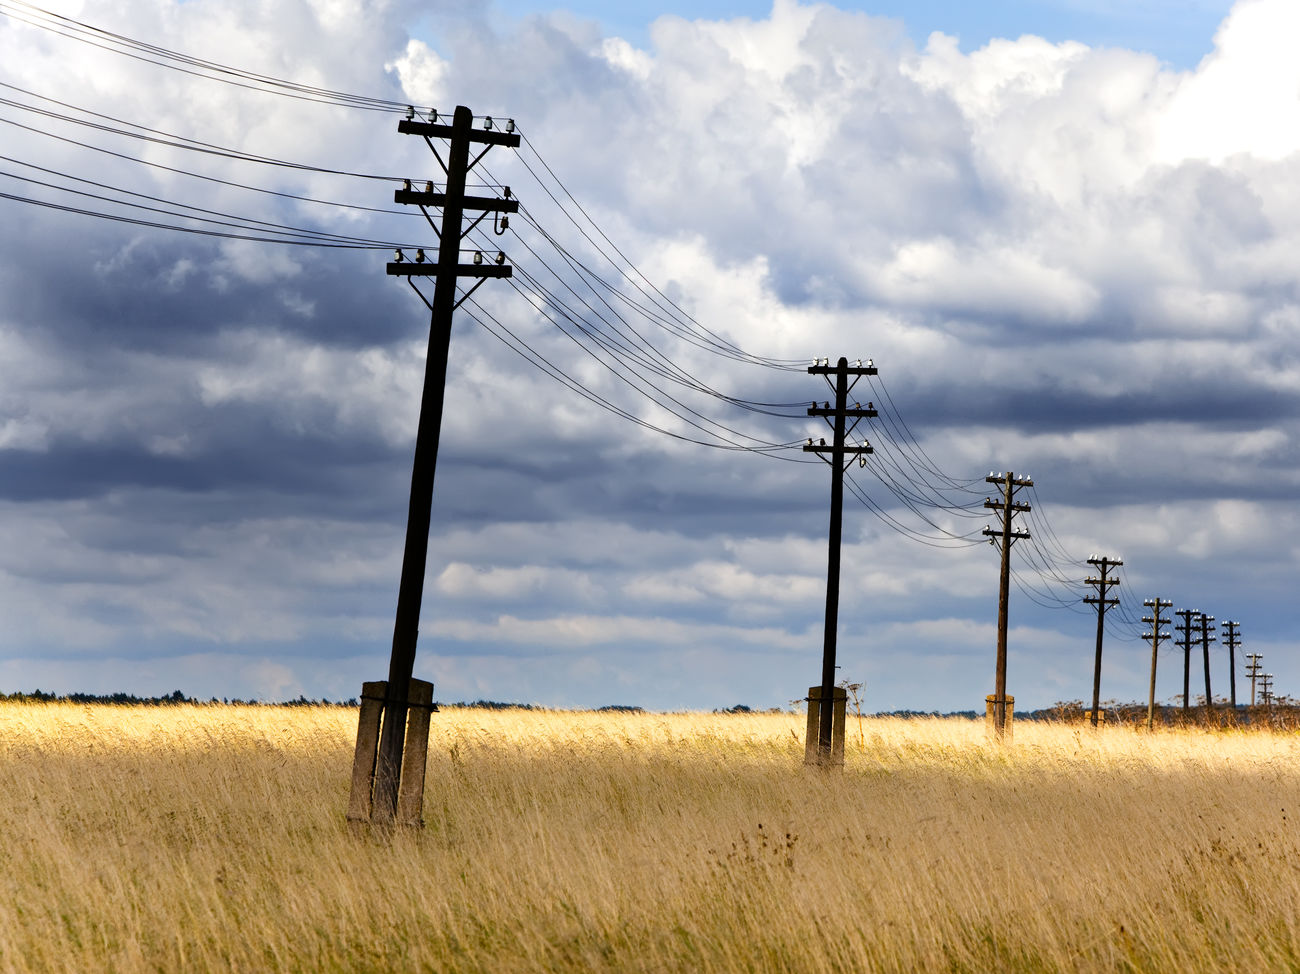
{"x": 1206, "y": 639}
{"x": 836, "y": 416}
{"x": 830, "y": 629}
{"x": 1232, "y": 639}
{"x": 1100, "y": 600}
{"x": 446, "y": 270}
{"x": 1007, "y": 508}
{"x": 1156, "y": 635}
{"x": 1185, "y": 644}
{"x": 415, "y": 552}
{"x": 1253, "y": 671}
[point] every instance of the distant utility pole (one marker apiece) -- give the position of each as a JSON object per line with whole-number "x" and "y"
{"x": 835, "y": 455}
{"x": 1253, "y": 671}
{"x": 1267, "y": 690}
{"x": 1185, "y": 644}
{"x": 447, "y": 270}
{"x": 1232, "y": 639}
{"x": 1102, "y": 585}
{"x": 1206, "y": 639}
{"x": 1156, "y": 635}
{"x": 1007, "y": 508}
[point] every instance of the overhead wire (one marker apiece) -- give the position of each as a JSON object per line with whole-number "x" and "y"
{"x": 117, "y": 218}
{"x": 289, "y": 233}
{"x": 619, "y": 333}
{"x": 201, "y": 176}
{"x": 146, "y": 133}
{"x": 125, "y": 46}
{"x": 628, "y": 270}
{"x": 521, "y": 347}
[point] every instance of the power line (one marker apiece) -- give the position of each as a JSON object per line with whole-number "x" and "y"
{"x": 205, "y": 233}
{"x": 527, "y": 352}
{"x": 288, "y": 232}
{"x": 198, "y": 67}
{"x": 201, "y": 176}
{"x": 144, "y": 133}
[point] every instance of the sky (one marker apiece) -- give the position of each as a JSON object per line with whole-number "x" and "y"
{"x": 1066, "y": 234}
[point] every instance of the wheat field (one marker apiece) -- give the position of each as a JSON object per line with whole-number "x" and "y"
{"x": 197, "y": 838}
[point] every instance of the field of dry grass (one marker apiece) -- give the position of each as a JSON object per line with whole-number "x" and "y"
{"x": 212, "y": 838}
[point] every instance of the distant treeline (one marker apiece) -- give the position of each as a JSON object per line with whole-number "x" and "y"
{"x": 1284, "y": 711}
{"x": 179, "y": 696}
{"x": 171, "y": 699}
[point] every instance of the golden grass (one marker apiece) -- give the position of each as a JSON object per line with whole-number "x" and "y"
{"x": 212, "y": 838}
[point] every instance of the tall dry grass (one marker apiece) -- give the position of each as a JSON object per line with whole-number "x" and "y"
{"x": 212, "y": 838}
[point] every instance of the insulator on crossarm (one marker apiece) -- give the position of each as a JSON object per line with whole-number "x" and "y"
{"x": 478, "y": 256}
{"x": 397, "y": 256}
{"x": 510, "y": 125}
{"x": 419, "y": 256}
{"x": 410, "y": 112}
{"x": 487, "y": 123}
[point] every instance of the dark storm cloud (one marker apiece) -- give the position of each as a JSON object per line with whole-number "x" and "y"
{"x": 169, "y": 294}
{"x": 255, "y": 457}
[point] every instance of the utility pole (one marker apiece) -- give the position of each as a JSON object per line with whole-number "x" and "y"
{"x": 1007, "y": 508}
{"x": 835, "y": 454}
{"x": 1232, "y": 639}
{"x": 1102, "y": 585}
{"x": 1253, "y": 671}
{"x": 1267, "y": 690}
{"x": 1156, "y": 635}
{"x": 447, "y": 270}
{"x": 1185, "y": 644}
{"x": 1206, "y": 639}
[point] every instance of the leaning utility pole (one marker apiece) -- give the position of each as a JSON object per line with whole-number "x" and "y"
{"x": 1253, "y": 671}
{"x": 1232, "y": 639}
{"x": 1206, "y": 639}
{"x": 1185, "y": 644}
{"x": 447, "y": 270}
{"x": 1102, "y": 584}
{"x": 1156, "y": 635}
{"x": 1007, "y": 508}
{"x": 834, "y": 455}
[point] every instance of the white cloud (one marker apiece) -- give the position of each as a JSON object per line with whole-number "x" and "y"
{"x": 1244, "y": 98}
{"x": 421, "y": 73}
